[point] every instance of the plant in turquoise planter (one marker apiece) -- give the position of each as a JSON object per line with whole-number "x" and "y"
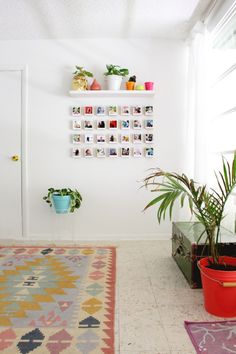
{"x": 64, "y": 200}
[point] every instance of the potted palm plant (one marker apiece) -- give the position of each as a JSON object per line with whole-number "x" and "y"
{"x": 218, "y": 272}
{"x": 64, "y": 200}
{"x": 114, "y": 75}
{"x": 79, "y": 82}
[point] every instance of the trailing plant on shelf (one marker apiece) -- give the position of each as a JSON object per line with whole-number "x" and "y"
{"x": 73, "y": 198}
{"x": 207, "y": 205}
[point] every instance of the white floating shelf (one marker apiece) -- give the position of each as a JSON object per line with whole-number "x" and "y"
{"x": 109, "y": 93}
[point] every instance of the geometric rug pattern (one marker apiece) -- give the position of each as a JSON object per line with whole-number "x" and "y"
{"x": 57, "y": 300}
{"x": 218, "y": 337}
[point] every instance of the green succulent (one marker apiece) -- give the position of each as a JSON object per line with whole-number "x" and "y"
{"x": 116, "y": 70}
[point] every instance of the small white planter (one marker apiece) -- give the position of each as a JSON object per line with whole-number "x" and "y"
{"x": 113, "y": 82}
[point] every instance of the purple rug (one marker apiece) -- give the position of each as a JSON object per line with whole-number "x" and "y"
{"x": 213, "y": 337}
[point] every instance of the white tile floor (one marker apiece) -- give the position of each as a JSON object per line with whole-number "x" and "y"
{"x": 153, "y": 299}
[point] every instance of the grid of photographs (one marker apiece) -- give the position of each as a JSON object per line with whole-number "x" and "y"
{"x": 112, "y": 131}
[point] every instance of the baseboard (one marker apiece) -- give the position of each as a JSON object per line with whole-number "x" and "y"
{"x": 95, "y": 237}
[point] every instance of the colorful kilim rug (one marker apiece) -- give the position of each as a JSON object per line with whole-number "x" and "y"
{"x": 213, "y": 337}
{"x": 57, "y": 300}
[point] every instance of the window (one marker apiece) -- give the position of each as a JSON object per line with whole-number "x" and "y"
{"x": 221, "y": 129}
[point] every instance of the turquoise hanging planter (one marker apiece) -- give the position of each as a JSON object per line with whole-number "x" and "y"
{"x": 61, "y": 203}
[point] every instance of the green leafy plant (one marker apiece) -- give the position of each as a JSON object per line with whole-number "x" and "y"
{"x": 116, "y": 70}
{"x": 80, "y": 71}
{"x": 75, "y": 197}
{"x": 206, "y": 204}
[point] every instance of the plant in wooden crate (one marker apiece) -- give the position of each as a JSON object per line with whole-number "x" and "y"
{"x": 218, "y": 272}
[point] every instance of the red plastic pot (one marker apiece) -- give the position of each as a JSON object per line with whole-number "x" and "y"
{"x": 219, "y": 288}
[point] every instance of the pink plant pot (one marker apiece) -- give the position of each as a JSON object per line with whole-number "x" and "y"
{"x": 149, "y": 85}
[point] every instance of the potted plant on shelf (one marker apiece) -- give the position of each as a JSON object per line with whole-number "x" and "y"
{"x": 79, "y": 82}
{"x": 114, "y": 75}
{"x": 131, "y": 82}
{"x": 218, "y": 272}
{"x": 64, "y": 200}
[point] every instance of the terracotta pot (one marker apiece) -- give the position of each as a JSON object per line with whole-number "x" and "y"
{"x": 130, "y": 85}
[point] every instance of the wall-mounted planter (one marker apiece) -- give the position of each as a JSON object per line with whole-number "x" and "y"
{"x": 64, "y": 200}
{"x": 61, "y": 203}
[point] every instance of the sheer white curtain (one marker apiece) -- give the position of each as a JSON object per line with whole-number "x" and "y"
{"x": 194, "y": 136}
{"x": 195, "y": 133}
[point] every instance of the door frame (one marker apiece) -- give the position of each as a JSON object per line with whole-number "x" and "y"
{"x": 24, "y": 144}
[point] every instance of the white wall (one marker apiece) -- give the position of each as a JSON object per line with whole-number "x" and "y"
{"x": 112, "y": 202}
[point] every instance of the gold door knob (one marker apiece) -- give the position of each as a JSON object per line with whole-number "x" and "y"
{"x": 15, "y": 158}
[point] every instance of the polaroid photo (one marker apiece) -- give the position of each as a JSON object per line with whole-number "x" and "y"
{"x": 112, "y": 110}
{"x": 76, "y": 138}
{"x": 88, "y": 152}
{"x": 148, "y": 123}
{"x": 112, "y": 138}
{"x": 113, "y": 124}
{"x": 76, "y": 124}
{"x": 125, "y": 110}
{"x": 101, "y": 124}
{"x": 137, "y": 124}
{"x": 125, "y": 138}
{"x": 100, "y": 152}
{"x": 137, "y": 152}
{"x": 101, "y": 139}
{"x": 125, "y": 124}
{"x": 76, "y": 153}
{"x": 100, "y": 111}
{"x": 112, "y": 152}
{"x": 125, "y": 152}
{"x": 148, "y": 110}
{"x": 88, "y": 110}
{"x": 88, "y": 124}
{"x": 76, "y": 111}
{"x": 148, "y": 138}
{"x": 137, "y": 138}
{"x": 149, "y": 152}
{"x": 88, "y": 138}
{"x": 137, "y": 111}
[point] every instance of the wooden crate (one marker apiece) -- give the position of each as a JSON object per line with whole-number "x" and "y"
{"x": 187, "y": 249}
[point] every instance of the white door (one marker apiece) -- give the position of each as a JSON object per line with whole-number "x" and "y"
{"x": 10, "y": 154}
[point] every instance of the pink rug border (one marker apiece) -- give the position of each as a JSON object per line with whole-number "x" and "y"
{"x": 186, "y": 323}
{"x": 51, "y": 245}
